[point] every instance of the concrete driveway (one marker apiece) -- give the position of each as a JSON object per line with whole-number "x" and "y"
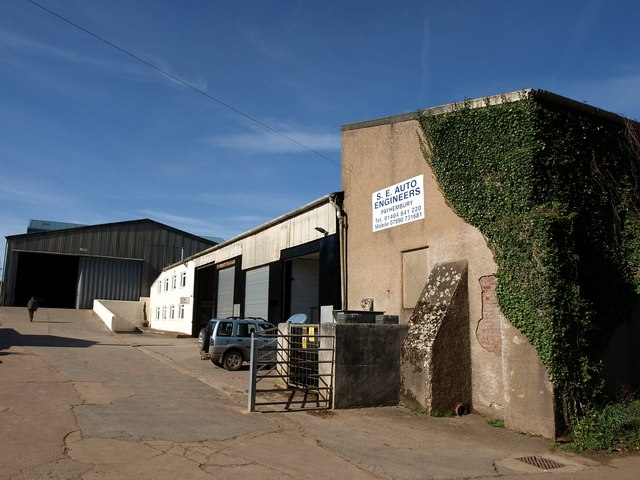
{"x": 79, "y": 402}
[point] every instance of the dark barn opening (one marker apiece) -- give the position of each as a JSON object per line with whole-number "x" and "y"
{"x": 52, "y": 279}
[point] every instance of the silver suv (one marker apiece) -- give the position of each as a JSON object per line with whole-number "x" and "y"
{"x": 227, "y": 341}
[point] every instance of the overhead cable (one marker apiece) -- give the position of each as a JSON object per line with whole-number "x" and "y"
{"x": 271, "y": 129}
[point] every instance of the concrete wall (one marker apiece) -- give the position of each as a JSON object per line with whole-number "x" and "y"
{"x": 529, "y": 393}
{"x": 119, "y": 316}
{"x": 391, "y": 266}
{"x": 366, "y": 364}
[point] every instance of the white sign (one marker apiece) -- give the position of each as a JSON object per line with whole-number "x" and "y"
{"x": 398, "y": 204}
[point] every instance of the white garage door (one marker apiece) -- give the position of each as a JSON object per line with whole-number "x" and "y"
{"x": 256, "y": 300}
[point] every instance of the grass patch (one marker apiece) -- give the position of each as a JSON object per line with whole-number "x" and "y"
{"x": 616, "y": 427}
{"x": 496, "y": 423}
{"x": 441, "y": 414}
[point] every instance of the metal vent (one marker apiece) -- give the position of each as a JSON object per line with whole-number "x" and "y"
{"x": 541, "y": 462}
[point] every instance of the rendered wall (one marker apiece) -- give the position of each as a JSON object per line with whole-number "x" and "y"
{"x": 391, "y": 266}
{"x": 119, "y": 316}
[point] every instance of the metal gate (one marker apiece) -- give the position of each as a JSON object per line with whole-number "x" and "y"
{"x": 293, "y": 372}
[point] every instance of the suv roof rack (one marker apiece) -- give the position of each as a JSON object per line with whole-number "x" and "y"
{"x": 245, "y": 318}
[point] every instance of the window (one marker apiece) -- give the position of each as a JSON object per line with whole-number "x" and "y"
{"x": 164, "y": 312}
{"x": 172, "y": 312}
{"x": 181, "y": 311}
{"x": 183, "y": 279}
{"x": 159, "y": 286}
{"x": 166, "y": 284}
{"x": 243, "y": 330}
{"x": 225, "y": 329}
{"x": 174, "y": 280}
{"x": 157, "y": 313}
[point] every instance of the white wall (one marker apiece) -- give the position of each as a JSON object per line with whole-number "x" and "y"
{"x": 119, "y": 315}
{"x": 167, "y": 297}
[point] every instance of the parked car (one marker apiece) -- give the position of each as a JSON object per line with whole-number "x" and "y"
{"x": 227, "y": 341}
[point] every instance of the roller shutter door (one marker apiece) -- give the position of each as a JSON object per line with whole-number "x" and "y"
{"x": 256, "y": 301}
{"x": 226, "y": 281}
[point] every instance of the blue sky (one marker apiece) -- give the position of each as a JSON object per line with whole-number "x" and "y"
{"x": 90, "y": 135}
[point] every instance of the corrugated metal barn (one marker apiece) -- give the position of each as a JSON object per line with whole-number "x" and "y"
{"x": 70, "y": 268}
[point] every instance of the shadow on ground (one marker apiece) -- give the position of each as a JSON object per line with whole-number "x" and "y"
{"x": 10, "y": 338}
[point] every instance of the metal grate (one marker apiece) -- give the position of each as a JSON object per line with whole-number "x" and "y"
{"x": 541, "y": 462}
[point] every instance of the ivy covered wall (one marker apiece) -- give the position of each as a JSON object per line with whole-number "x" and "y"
{"x": 554, "y": 189}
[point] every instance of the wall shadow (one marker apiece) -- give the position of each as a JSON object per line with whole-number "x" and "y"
{"x": 10, "y": 338}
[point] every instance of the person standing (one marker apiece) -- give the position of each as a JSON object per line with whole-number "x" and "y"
{"x": 32, "y": 306}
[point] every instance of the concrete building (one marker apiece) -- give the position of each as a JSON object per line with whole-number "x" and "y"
{"x": 288, "y": 265}
{"x": 410, "y": 254}
{"x": 68, "y": 266}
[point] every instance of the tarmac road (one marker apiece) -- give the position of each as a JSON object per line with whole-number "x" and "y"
{"x": 79, "y": 402}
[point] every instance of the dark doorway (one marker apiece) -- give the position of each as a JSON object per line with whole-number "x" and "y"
{"x": 302, "y": 287}
{"x": 203, "y": 298}
{"x": 52, "y": 279}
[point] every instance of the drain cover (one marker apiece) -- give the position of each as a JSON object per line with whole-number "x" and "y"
{"x": 541, "y": 462}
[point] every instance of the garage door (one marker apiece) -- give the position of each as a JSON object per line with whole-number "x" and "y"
{"x": 256, "y": 301}
{"x": 226, "y": 280}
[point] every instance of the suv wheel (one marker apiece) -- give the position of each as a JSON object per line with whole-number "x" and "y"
{"x": 201, "y": 335}
{"x": 203, "y": 344}
{"x": 232, "y": 360}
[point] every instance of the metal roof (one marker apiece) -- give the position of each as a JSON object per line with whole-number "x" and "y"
{"x": 114, "y": 225}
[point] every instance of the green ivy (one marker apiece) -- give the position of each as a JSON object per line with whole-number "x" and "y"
{"x": 553, "y": 190}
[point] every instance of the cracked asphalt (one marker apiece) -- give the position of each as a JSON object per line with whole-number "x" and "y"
{"x": 80, "y": 402}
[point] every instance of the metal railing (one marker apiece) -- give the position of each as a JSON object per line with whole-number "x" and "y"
{"x": 291, "y": 371}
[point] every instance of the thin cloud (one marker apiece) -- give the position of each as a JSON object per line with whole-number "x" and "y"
{"x": 33, "y": 194}
{"x": 252, "y": 219}
{"x": 249, "y": 200}
{"x": 585, "y": 22}
{"x": 223, "y": 226}
{"x": 125, "y": 68}
{"x": 425, "y": 59}
{"x": 262, "y": 141}
{"x": 173, "y": 220}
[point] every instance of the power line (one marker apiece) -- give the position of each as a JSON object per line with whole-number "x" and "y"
{"x": 273, "y": 130}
